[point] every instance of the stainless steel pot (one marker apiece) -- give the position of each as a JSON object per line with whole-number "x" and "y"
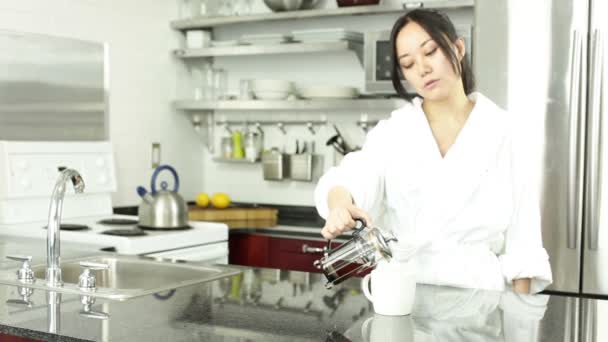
{"x": 164, "y": 209}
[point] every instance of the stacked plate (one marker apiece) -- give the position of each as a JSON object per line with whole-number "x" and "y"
{"x": 327, "y": 35}
{"x": 265, "y": 39}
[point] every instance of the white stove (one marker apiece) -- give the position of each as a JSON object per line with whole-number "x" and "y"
{"x": 28, "y": 171}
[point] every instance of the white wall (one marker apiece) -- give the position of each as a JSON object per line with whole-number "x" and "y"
{"x": 142, "y": 80}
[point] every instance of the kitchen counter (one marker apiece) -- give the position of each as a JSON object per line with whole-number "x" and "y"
{"x": 277, "y": 305}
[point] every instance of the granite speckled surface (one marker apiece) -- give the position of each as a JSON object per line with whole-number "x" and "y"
{"x": 279, "y": 305}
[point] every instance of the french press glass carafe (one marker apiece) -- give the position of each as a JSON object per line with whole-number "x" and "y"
{"x": 367, "y": 246}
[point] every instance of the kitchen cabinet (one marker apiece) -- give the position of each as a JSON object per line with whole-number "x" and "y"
{"x": 249, "y": 250}
{"x": 10, "y": 338}
{"x": 295, "y": 254}
{"x": 275, "y": 252}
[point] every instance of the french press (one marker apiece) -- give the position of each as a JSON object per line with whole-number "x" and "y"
{"x": 367, "y": 246}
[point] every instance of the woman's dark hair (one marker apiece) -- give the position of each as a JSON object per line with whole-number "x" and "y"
{"x": 442, "y": 31}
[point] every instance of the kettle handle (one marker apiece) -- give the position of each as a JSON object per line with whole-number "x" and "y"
{"x": 155, "y": 175}
{"x": 359, "y": 226}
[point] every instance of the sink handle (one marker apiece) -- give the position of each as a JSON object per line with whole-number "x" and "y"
{"x": 94, "y": 314}
{"x": 22, "y": 258}
{"x": 86, "y": 311}
{"x": 25, "y": 293}
{"x": 86, "y": 280}
{"x": 19, "y": 303}
{"x": 25, "y": 273}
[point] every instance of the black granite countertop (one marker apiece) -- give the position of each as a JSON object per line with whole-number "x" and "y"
{"x": 276, "y": 305}
{"x": 279, "y": 305}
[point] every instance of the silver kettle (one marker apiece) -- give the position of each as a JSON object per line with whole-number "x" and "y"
{"x": 164, "y": 209}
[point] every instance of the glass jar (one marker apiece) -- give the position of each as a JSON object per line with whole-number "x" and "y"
{"x": 226, "y": 148}
{"x": 253, "y": 148}
{"x": 220, "y": 84}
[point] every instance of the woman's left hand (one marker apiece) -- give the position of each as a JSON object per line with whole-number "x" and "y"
{"x": 521, "y": 285}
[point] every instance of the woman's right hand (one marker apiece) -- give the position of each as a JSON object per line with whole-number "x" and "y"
{"x": 341, "y": 219}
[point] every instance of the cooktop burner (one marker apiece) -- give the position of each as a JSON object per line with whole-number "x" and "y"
{"x": 125, "y": 232}
{"x": 71, "y": 226}
{"x": 164, "y": 229}
{"x": 117, "y": 222}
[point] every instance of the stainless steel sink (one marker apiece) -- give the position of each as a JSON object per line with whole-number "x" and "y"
{"x": 126, "y": 277}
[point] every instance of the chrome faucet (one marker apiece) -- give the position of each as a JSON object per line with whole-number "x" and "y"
{"x": 53, "y": 271}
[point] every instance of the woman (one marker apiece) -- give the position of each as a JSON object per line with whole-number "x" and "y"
{"x": 444, "y": 172}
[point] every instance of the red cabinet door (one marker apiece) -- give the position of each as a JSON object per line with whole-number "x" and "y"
{"x": 295, "y": 254}
{"x": 299, "y": 254}
{"x": 11, "y": 338}
{"x": 249, "y": 250}
{"x": 276, "y": 252}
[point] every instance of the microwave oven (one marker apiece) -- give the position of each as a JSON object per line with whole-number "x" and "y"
{"x": 377, "y": 60}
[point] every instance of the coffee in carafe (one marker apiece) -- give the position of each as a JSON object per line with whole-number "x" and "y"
{"x": 367, "y": 246}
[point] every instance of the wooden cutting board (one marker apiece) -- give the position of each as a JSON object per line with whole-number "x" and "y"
{"x": 236, "y": 217}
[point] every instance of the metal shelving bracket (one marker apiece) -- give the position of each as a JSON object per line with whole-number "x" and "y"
{"x": 204, "y": 125}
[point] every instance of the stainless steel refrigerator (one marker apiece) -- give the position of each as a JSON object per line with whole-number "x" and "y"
{"x": 544, "y": 61}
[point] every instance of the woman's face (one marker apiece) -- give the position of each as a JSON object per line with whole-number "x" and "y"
{"x": 424, "y": 65}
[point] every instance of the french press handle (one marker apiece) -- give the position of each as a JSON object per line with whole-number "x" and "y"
{"x": 359, "y": 226}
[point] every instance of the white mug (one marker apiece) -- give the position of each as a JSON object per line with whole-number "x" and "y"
{"x": 393, "y": 287}
{"x": 380, "y": 328}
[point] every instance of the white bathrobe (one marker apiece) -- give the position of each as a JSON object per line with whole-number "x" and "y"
{"x": 474, "y": 213}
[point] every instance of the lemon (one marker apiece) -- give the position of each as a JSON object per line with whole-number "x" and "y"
{"x": 202, "y": 200}
{"x": 220, "y": 200}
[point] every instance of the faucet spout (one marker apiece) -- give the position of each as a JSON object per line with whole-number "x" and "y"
{"x": 53, "y": 271}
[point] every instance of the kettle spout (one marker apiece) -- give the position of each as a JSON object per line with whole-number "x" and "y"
{"x": 143, "y": 193}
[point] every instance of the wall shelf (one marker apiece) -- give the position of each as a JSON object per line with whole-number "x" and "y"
{"x": 209, "y": 22}
{"x": 234, "y": 161}
{"x": 284, "y": 48}
{"x": 317, "y": 104}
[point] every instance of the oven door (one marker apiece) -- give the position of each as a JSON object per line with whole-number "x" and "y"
{"x": 216, "y": 253}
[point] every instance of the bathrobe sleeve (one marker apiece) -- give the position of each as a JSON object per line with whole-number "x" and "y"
{"x": 361, "y": 172}
{"x": 524, "y": 255}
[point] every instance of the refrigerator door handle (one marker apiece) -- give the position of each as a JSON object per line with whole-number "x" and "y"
{"x": 573, "y": 198}
{"x": 588, "y": 331}
{"x": 571, "y": 315}
{"x": 594, "y": 171}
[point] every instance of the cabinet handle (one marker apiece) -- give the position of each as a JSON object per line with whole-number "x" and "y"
{"x": 312, "y": 250}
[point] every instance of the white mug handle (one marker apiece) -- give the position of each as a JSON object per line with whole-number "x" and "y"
{"x": 365, "y": 287}
{"x": 365, "y": 329}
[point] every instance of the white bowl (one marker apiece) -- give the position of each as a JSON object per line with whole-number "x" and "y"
{"x": 270, "y": 95}
{"x": 271, "y": 85}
